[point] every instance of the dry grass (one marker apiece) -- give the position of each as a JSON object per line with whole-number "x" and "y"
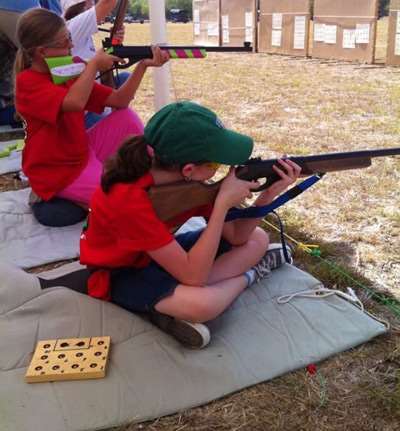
{"x": 301, "y": 106}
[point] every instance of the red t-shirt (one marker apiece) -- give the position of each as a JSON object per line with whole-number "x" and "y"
{"x": 56, "y": 144}
{"x": 123, "y": 226}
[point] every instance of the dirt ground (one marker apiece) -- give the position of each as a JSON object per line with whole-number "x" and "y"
{"x": 305, "y": 106}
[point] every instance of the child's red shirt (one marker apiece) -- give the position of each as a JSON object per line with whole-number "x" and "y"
{"x": 123, "y": 226}
{"x": 56, "y": 145}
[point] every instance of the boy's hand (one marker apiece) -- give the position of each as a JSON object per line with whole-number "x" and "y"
{"x": 160, "y": 57}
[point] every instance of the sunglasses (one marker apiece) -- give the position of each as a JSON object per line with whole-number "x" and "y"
{"x": 212, "y": 165}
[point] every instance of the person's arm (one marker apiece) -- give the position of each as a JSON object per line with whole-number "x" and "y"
{"x": 79, "y": 93}
{"x": 193, "y": 267}
{"x": 104, "y": 8}
{"x": 121, "y": 97}
{"x": 238, "y": 231}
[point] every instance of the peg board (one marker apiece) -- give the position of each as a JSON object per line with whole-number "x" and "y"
{"x": 69, "y": 359}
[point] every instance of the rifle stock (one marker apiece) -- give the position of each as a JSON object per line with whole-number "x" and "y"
{"x": 173, "y": 199}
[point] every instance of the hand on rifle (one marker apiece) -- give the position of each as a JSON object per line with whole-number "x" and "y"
{"x": 105, "y": 61}
{"x": 289, "y": 173}
{"x": 234, "y": 191}
{"x": 160, "y": 57}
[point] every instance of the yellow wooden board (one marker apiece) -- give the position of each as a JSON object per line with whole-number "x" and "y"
{"x": 69, "y": 359}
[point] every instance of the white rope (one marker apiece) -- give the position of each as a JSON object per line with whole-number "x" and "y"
{"x": 323, "y": 292}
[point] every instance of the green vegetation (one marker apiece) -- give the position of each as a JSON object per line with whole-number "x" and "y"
{"x": 139, "y": 9}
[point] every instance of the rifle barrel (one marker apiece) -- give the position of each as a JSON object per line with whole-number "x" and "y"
{"x": 352, "y": 155}
{"x": 321, "y": 163}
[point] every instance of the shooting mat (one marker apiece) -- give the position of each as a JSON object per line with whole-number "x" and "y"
{"x": 393, "y": 46}
{"x": 25, "y": 242}
{"x": 206, "y": 22}
{"x": 284, "y": 27}
{"x": 149, "y": 374}
{"x": 345, "y": 30}
{"x": 238, "y": 22}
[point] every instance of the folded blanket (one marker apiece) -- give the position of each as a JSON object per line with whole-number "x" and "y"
{"x": 26, "y": 243}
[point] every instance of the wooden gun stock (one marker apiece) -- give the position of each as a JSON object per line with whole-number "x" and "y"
{"x": 170, "y": 200}
{"x": 173, "y": 199}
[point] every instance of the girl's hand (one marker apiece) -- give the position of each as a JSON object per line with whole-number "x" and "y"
{"x": 160, "y": 57}
{"x": 234, "y": 191}
{"x": 104, "y": 61}
{"x": 289, "y": 173}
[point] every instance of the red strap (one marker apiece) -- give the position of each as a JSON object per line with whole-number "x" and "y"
{"x": 99, "y": 284}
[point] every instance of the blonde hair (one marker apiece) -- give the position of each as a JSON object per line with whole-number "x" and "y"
{"x": 35, "y": 27}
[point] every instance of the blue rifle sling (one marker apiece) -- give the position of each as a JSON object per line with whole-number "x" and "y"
{"x": 254, "y": 212}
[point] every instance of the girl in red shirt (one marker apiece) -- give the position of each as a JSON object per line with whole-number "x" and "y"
{"x": 60, "y": 157}
{"x": 191, "y": 278}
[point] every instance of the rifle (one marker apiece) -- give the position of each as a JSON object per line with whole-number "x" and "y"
{"x": 135, "y": 53}
{"x": 171, "y": 200}
{"x": 107, "y": 78}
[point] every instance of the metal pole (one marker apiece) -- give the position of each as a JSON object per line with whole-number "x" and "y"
{"x": 161, "y": 76}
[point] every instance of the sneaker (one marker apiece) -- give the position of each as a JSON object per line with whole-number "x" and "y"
{"x": 192, "y": 335}
{"x": 273, "y": 259}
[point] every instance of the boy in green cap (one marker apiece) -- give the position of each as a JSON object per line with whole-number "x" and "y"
{"x": 185, "y": 280}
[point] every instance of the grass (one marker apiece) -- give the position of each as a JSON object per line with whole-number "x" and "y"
{"x": 298, "y": 106}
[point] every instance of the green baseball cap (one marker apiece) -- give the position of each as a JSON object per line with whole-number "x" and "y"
{"x": 185, "y": 132}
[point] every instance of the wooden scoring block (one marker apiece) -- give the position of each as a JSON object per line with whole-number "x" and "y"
{"x": 69, "y": 359}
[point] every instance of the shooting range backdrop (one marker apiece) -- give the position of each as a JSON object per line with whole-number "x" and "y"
{"x": 225, "y": 22}
{"x": 345, "y": 30}
{"x": 284, "y": 27}
{"x": 206, "y": 22}
{"x": 238, "y": 22}
{"x": 393, "y": 43}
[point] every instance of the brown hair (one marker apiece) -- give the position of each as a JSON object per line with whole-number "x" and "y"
{"x": 131, "y": 162}
{"x": 75, "y": 10}
{"x": 35, "y": 27}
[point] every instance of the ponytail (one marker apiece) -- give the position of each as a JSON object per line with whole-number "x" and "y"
{"x": 22, "y": 61}
{"x": 131, "y": 162}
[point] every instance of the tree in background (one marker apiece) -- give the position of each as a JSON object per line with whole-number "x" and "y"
{"x": 139, "y": 9}
{"x": 179, "y": 4}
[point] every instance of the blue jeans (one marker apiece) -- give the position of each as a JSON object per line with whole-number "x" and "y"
{"x": 91, "y": 118}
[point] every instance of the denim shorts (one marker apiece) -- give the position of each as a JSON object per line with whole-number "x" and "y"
{"x": 140, "y": 289}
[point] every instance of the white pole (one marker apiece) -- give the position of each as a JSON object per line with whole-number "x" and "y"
{"x": 161, "y": 75}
